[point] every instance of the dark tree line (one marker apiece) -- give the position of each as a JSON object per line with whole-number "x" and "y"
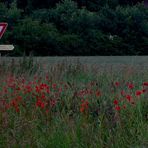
{"x": 78, "y": 27}
{"x": 38, "y": 4}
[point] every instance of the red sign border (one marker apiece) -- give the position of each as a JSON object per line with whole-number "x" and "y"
{"x": 4, "y": 28}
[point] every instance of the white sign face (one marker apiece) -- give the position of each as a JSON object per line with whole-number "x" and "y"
{"x": 1, "y": 27}
{"x": 6, "y": 47}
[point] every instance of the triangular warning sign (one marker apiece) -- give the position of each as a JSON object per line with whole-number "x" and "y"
{"x": 3, "y": 27}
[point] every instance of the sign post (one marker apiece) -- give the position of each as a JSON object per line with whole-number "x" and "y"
{"x": 3, "y": 27}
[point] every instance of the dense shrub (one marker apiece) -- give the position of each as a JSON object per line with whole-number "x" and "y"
{"x": 70, "y": 29}
{"x": 70, "y": 44}
{"x": 34, "y": 36}
{"x": 3, "y": 12}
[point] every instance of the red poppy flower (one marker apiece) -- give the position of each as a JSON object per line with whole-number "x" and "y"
{"x": 37, "y": 89}
{"x": 122, "y": 92}
{"x": 19, "y": 98}
{"x": 145, "y": 83}
{"x": 82, "y": 109}
{"x": 38, "y": 103}
{"x": 42, "y": 105}
{"x": 116, "y": 102}
{"x": 143, "y": 90}
{"x": 130, "y": 86}
{"x": 17, "y": 109}
{"x": 117, "y": 108}
{"x": 117, "y": 84}
{"x": 54, "y": 85}
{"x": 84, "y": 106}
{"x": 128, "y": 97}
{"x": 53, "y": 102}
{"x": 48, "y": 91}
{"x": 138, "y": 92}
{"x": 98, "y": 93}
{"x": 43, "y": 96}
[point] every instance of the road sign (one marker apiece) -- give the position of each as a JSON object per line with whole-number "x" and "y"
{"x": 6, "y": 47}
{"x": 3, "y": 27}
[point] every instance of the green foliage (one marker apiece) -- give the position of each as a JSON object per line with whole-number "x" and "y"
{"x": 96, "y": 5}
{"x": 41, "y": 15}
{"x": 11, "y": 14}
{"x": 14, "y": 13}
{"x": 33, "y": 36}
{"x": 76, "y": 28}
{"x": 3, "y": 12}
{"x": 69, "y": 44}
{"x": 24, "y": 123}
{"x": 63, "y": 14}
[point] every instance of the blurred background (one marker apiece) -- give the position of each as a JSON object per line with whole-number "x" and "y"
{"x": 75, "y": 27}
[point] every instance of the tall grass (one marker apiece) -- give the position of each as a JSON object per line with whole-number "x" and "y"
{"x": 72, "y": 105}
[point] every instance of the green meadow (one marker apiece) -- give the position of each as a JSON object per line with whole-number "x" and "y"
{"x": 89, "y": 102}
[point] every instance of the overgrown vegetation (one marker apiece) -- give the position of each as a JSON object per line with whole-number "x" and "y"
{"x": 71, "y": 105}
{"x": 76, "y": 28}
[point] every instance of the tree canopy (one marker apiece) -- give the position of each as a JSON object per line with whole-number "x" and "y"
{"x": 78, "y": 27}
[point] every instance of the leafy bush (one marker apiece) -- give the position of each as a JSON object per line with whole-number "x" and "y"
{"x": 70, "y": 29}
{"x": 128, "y": 23}
{"x": 3, "y": 12}
{"x": 34, "y": 36}
{"x": 41, "y": 15}
{"x": 63, "y": 14}
{"x": 70, "y": 44}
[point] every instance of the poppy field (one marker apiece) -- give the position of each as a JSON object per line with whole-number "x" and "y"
{"x": 72, "y": 106}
